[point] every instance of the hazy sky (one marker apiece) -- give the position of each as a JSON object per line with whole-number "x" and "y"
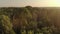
{"x": 35, "y": 3}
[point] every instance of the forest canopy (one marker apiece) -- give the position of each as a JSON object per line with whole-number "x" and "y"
{"x": 29, "y": 20}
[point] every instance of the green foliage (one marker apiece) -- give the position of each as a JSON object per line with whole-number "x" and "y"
{"x": 28, "y": 20}
{"x": 6, "y": 25}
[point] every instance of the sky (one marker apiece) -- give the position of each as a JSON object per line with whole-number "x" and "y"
{"x": 34, "y": 3}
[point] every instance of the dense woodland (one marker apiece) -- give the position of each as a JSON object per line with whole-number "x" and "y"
{"x": 29, "y": 20}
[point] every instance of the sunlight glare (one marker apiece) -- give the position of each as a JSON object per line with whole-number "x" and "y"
{"x": 54, "y": 3}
